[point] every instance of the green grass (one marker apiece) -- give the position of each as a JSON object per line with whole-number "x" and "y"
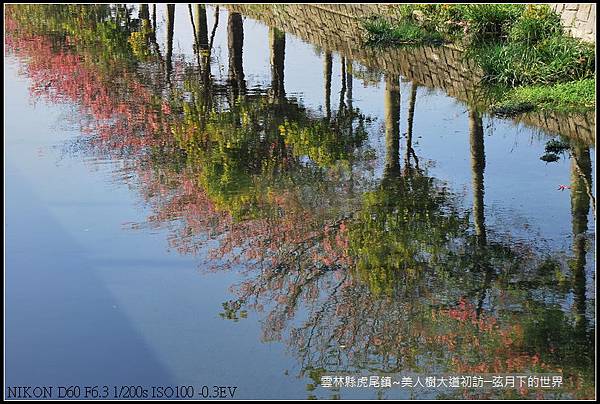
{"x": 527, "y": 60}
{"x": 487, "y": 22}
{"x": 553, "y": 60}
{"x": 382, "y": 33}
{"x": 444, "y": 22}
{"x": 575, "y": 96}
{"x": 534, "y": 25}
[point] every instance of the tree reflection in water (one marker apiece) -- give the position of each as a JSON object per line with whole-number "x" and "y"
{"x": 353, "y": 274}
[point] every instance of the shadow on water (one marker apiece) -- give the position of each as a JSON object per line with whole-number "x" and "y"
{"x": 55, "y": 341}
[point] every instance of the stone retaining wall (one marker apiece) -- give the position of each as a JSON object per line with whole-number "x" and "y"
{"x": 579, "y": 19}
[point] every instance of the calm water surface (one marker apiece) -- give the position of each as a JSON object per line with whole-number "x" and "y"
{"x": 266, "y": 212}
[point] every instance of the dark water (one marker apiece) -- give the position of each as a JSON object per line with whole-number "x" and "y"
{"x": 266, "y": 212}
